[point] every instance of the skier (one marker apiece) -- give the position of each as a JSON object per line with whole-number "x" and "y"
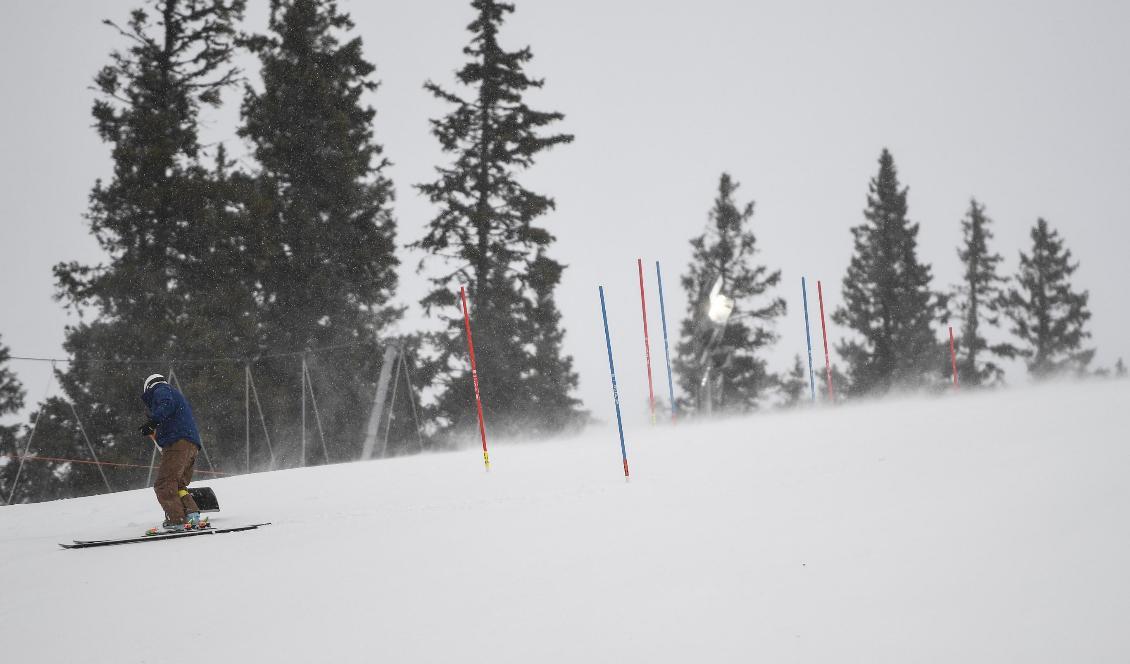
{"x": 173, "y": 429}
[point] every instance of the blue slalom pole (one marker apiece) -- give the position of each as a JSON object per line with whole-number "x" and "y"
{"x": 808, "y": 338}
{"x": 615, "y": 390}
{"x": 666, "y": 348}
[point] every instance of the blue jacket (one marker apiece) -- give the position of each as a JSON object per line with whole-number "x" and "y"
{"x": 170, "y": 410}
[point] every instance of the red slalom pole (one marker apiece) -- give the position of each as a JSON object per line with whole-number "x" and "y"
{"x": 646, "y": 344}
{"x": 824, "y": 332}
{"x": 475, "y": 376}
{"x": 953, "y": 360}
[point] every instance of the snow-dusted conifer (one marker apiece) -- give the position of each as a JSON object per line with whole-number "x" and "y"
{"x": 888, "y": 301}
{"x": 11, "y": 400}
{"x": 155, "y": 219}
{"x": 487, "y": 238}
{"x": 320, "y": 206}
{"x": 1048, "y": 314}
{"x": 795, "y": 386}
{"x": 721, "y": 367}
{"x": 978, "y": 299}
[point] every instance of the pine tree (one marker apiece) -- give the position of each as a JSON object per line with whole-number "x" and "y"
{"x": 1049, "y": 316}
{"x": 552, "y": 376}
{"x": 321, "y": 208}
{"x": 887, "y": 297}
{"x": 11, "y": 401}
{"x": 795, "y": 386}
{"x": 978, "y": 301}
{"x": 727, "y": 359}
{"x": 11, "y": 391}
{"x": 155, "y": 219}
{"x": 146, "y": 217}
{"x": 486, "y": 231}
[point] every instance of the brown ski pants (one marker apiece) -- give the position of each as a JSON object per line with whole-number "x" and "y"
{"x": 173, "y": 476}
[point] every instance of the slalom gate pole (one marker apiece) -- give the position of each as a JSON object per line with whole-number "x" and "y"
{"x": 615, "y": 390}
{"x": 953, "y": 360}
{"x": 808, "y": 339}
{"x": 475, "y": 377}
{"x": 646, "y": 344}
{"x": 824, "y": 331}
{"x": 666, "y": 347}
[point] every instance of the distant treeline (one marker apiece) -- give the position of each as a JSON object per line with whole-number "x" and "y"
{"x": 890, "y": 305}
{"x": 299, "y": 250}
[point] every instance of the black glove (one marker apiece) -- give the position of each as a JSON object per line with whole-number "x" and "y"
{"x": 148, "y": 429}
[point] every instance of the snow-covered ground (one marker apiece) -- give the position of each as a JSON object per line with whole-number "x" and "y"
{"x": 970, "y": 528}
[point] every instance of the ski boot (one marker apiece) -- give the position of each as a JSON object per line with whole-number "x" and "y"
{"x": 168, "y": 526}
{"x": 193, "y": 521}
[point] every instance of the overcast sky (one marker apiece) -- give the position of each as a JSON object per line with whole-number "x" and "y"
{"x": 1021, "y": 104}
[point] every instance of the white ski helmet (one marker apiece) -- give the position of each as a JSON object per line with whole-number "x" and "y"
{"x": 152, "y": 380}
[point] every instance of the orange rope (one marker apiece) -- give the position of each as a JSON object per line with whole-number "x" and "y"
{"x": 103, "y": 463}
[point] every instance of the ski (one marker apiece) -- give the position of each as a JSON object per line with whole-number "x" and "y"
{"x": 152, "y": 538}
{"x": 209, "y": 526}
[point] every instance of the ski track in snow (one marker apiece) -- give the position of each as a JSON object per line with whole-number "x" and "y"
{"x": 969, "y": 528}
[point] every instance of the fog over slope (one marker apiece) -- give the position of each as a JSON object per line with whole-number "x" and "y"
{"x": 976, "y": 528}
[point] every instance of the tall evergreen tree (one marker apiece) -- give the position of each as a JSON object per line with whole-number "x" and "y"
{"x": 155, "y": 219}
{"x": 727, "y": 358}
{"x": 979, "y": 299}
{"x": 486, "y": 231}
{"x": 11, "y": 400}
{"x": 321, "y": 209}
{"x": 1048, "y": 315}
{"x": 11, "y": 391}
{"x": 887, "y": 296}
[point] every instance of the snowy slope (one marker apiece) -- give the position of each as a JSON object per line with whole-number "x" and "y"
{"x": 986, "y": 528}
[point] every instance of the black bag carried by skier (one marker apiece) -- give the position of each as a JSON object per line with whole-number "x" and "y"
{"x": 205, "y": 498}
